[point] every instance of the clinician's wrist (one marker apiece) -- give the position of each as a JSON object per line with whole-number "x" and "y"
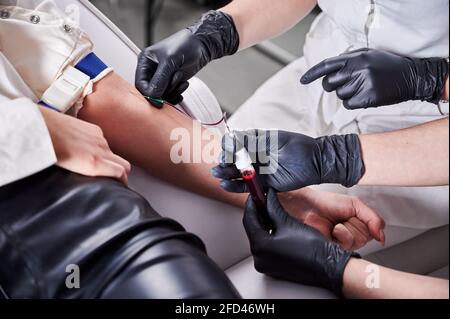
{"x": 432, "y": 80}
{"x": 335, "y": 268}
{"x": 341, "y": 160}
{"x": 218, "y": 32}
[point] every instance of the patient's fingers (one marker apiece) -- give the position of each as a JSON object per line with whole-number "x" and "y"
{"x": 111, "y": 169}
{"x": 360, "y": 233}
{"x": 343, "y": 236}
{"x": 352, "y": 234}
{"x": 321, "y": 224}
{"x": 369, "y": 217}
{"x": 122, "y": 162}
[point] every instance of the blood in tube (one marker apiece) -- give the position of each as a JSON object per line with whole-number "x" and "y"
{"x": 256, "y": 191}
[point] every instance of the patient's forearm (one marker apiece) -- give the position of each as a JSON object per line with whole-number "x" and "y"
{"x": 141, "y": 134}
{"x": 365, "y": 280}
{"x": 259, "y": 20}
{"x": 416, "y": 156}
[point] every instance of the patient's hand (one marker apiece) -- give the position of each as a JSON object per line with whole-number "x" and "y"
{"x": 344, "y": 219}
{"x": 81, "y": 148}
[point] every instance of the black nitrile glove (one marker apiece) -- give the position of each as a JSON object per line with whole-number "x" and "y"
{"x": 294, "y": 251}
{"x": 164, "y": 69}
{"x": 288, "y": 161}
{"x": 370, "y": 78}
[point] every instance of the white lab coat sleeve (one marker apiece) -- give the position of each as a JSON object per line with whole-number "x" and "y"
{"x": 25, "y": 144}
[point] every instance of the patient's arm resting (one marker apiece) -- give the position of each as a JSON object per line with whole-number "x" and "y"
{"x": 142, "y": 134}
{"x": 390, "y": 283}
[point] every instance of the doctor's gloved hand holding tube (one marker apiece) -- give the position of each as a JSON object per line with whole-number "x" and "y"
{"x": 298, "y": 160}
{"x": 416, "y": 156}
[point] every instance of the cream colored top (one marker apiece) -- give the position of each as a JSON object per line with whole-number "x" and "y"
{"x": 37, "y": 42}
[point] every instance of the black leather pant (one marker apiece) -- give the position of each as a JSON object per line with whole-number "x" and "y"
{"x": 122, "y": 247}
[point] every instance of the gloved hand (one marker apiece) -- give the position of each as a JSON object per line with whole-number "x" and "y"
{"x": 164, "y": 68}
{"x": 294, "y": 251}
{"x": 292, "y": 161}
{"x": 370, "y": 78}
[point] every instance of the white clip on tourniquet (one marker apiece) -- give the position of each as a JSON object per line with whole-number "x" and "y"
{"x": 66, "y": 90}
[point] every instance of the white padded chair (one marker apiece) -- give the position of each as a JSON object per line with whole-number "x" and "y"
{"x": 219, "y": 225}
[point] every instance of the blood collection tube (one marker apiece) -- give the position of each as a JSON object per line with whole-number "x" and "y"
{"x": 251, "y": 179}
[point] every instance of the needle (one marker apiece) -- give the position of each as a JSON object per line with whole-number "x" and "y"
{"x": 159, "y": 104}
{"x": 225, "y": 120}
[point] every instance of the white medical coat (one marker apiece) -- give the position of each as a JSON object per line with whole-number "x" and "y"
{"x": 413, "y": 28}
